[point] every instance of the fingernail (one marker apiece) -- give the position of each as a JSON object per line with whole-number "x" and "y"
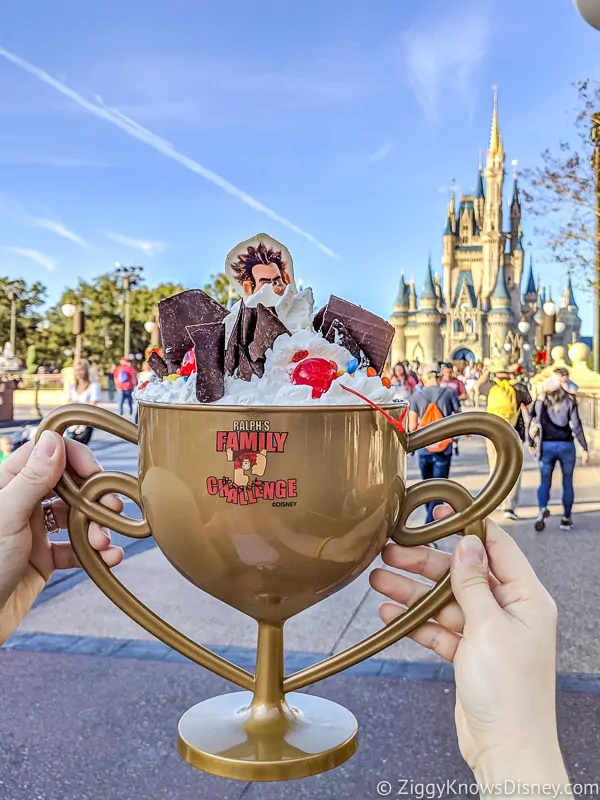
{"x": 106, "y": 532}
{"x": 46, "y": 446}
{"x": 471, "y": 550}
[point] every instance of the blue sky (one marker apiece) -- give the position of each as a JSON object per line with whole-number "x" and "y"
{"x": 347, "y": 119}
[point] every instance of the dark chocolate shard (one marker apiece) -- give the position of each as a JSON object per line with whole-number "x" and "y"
{"x": 177, "y": 313}
{"x": 318, "y": 319}
{"x": 248, "y": 324}
{"x": 372, "y": 334}
{"x": 338, "y": 333}
{"x": 258, "y": 367}
{"x": 158, "y": 365}
{"x": 232, "y": 354}
{"x": 209, "y": 347}
{"x": 245, "y": 371}
{"x": 268, "y": 328}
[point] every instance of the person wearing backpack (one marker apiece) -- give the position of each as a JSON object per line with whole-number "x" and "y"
{"x": 506, "y": 398}
{"x": 427, "y": 406}
{"x": 555, "y": 425}
{"x": 125, "y": 383}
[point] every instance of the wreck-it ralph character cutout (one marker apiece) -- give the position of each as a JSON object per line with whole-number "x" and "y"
{"x": 246, "y": 463}
{"x": 260, "y": 261}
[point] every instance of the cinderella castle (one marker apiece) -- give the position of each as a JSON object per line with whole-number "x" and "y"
{"x": 483, "y": 306}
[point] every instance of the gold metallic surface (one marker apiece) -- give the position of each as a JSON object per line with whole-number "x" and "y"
{"x": 317, "y": 505}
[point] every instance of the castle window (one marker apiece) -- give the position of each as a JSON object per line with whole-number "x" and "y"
{"x": 469, "y": 327}
{"x": 458, "y": 326}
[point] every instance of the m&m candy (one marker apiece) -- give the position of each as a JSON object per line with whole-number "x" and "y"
{"x": 172, "y": 377}
{"x": 371, "y": 373}
{"x": 316, "y": 373}
{"x": 352, "y": 366}
{"x": 386, "y": 382}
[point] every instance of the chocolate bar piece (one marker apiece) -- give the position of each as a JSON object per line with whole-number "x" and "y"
{"x": 318, "y": 319}
{"x": 209, "y": 347}
{"x": 232, "y": 354}
{"x": 372, "y": 334}
{"x": 338, "y": 333}
{"x": 158, "y": 365}
{"x": 248, "y": 324}
{"x": 177, "y": 313}
{"x": 268, "y": 328}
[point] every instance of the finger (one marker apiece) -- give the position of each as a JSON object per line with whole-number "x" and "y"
{"x": 82, "y": 464}
{"x": 99, "y": 537}
{"x": 33, "y": 481}
{"x": 15, "y": 463}
{"x": 430, "y": 635}
{"x": 407, "y": 591}
{"x": 469, "y": 573}
{"x": 65, "y": 558}
{"x": 506, "y": 560}
{"x": 444, "y": 510}
{"x": 420, "y": 560}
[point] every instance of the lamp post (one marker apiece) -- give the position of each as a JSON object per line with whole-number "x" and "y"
{"x": 524, "y": 327}
{"x": 590, "y": 11}
{"x": 595, "y": 136}
{"x": 131, "y": 277}
{"x": 549, "y": 325}
{"x": 151, "y": 327}
{"x": 75, "y": 312}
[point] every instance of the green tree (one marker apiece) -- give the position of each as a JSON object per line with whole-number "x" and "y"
{"x": 221, "y": 289}
{"x": 29, "y": 299}
{"x": 561, "y": 191}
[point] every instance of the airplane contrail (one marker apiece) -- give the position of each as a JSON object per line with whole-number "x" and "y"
{"x": 136, "y": 131}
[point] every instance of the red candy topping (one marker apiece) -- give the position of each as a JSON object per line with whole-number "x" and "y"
{"x": 386, "y": 382}
{"x": 143, "y": 385}
{"x": 317, "y": 373}
{"x": 188, "y": 365}
{"x": 371, "y": 372}
{"x": 299, "y": 355}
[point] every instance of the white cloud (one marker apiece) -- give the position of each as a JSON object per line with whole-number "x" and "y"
{"x": 43, "y": 259}
{"x": 380, "y": 154}
{"x": 55, "y": 226}
{"x": 151, "y": 249}
{"x": 136, "y": 131}
{"x": 443, "y": 55}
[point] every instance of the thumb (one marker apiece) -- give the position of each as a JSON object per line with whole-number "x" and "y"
{"x": 33, "y": 482}
{"x": 470, "y": 582}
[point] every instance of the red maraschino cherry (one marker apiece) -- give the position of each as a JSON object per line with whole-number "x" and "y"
{"x": 188, "y": 365}
{"x": 317, "y": 373}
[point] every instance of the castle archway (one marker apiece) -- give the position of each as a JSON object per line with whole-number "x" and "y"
{"x": 463, "y": 353}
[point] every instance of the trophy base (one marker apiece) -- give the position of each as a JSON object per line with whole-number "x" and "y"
{"x": 213, "y": 737}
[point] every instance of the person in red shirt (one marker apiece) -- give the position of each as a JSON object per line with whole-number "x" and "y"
{"x": 450, "y": 381}
{"x": 125, "y": 383}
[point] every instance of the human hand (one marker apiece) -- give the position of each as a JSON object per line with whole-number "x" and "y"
{"x": 500, "y": 633}
{"x": 585, "y": 457}
{"x": 27, "y": 557}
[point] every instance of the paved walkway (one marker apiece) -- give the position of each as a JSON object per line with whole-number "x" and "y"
{"x": 93, "y": 701}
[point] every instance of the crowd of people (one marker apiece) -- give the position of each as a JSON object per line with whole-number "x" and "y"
{"x": 549, "y": 426}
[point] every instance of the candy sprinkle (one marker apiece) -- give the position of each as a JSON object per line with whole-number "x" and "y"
{"x": 387, "y": 383}
{"x": 172, "y": 377}
{"x": 299, "y": 355}
{"x": 352, "y": 366}
{"x": 371, "y": 372}
{"x": 340, "y": 372}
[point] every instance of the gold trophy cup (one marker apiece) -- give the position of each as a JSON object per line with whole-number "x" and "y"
{"x": 271, "y": 510}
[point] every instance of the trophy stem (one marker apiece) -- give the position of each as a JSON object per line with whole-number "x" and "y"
{"x": 269, "y": 711}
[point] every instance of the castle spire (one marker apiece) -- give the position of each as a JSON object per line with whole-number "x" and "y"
{"x": 500, "y": 294}
{"x": 569, "y": 295}
{"x": 531, "y": 287}
{"x": 451, "y": 216}
{"x": 429, "y": 292}
{"x": 495, "y": 136}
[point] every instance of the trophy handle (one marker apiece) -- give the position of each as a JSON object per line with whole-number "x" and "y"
{"x": 469, "y": 517}
{"x": 85, "y": 508}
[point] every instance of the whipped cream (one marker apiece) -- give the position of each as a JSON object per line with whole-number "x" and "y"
{"x": 275, "y": 388}
{"x": 294, "y": 309}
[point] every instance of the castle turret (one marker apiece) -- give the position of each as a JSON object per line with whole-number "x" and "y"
{"x": 500, "y": 317}
{"x": 492, "y": 237}
{"x": 530, "y": 294}
{"x": 412, "y": 297}
{"x": 399, "y": 319}
{"x": 429, "y": 318}
{"x": 515, "y": 212}
{"x": 569, "y": 314}
{"x": 448, "y": 250}
{"x": 479, "y": 197}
